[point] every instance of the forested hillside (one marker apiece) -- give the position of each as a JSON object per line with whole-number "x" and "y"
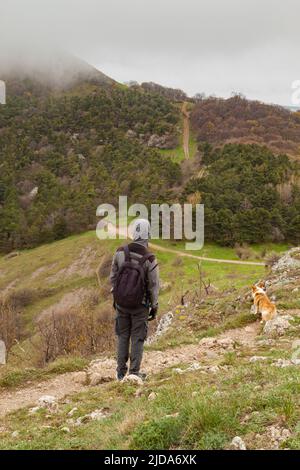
{"x": 249, "y": 195}
{"x": 219, "y": 121}
{"x": 62, "y": 154}
{"x": 65, "y": 150}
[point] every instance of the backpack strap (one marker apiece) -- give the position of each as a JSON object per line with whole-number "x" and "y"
{"x": 140, "y": 261}
{"x": 127, "y": 253}
{"x": 144, "y": 258}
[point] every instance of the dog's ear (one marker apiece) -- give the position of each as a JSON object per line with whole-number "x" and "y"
{"x": 262, "y": 285}
{"x": 253, "y": 288}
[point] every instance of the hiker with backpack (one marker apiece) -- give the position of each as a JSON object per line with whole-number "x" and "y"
{"x": 135, "y": 287}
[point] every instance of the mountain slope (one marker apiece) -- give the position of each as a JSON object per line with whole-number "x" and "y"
{"x": 56, "y": 71}
{"x": 238, "y": 120}
{"x": 212, "y": 353}
{"x": 76, "y": 149}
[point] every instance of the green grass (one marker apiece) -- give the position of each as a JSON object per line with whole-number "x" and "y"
{"x": 13, "y": 377}
{"x": 177, "y": 154}
{"x": 38, "y": 269}
{"x": 212, "y": 250}
{"x": 177, "y": 418}
{"x": 35, "y": 270}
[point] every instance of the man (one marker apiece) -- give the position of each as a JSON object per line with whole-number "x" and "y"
{"x": 135, "y": 285}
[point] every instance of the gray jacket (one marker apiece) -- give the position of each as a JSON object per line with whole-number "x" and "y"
{"x": 138, "y": 250}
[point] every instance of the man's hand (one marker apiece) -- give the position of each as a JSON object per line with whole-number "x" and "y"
{"x": 153, "y": 313}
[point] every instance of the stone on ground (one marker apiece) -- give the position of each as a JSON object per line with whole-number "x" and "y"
{"x": 277, "y": 326}
{"x": 237, "y": 443}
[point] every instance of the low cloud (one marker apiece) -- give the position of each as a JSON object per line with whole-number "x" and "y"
{"x": 215, "y": 46}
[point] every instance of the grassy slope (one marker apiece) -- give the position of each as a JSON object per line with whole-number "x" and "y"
{"x": 190, "y": 411}
{"x": 209, "y": 418}
{"x": 42, "y": 269}
{"x": 41, "y": 273}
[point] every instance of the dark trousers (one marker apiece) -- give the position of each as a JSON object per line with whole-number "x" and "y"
{"x": 131, "y": 326}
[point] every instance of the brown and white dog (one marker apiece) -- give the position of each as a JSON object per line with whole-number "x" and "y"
{"x": 262, "y": 303}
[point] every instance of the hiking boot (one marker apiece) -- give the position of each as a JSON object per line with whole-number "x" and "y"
{"x": 120, "y": 376}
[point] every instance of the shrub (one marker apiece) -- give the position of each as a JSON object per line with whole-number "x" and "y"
{"x": 177, "y": 261}
{"x": 9, "y": 323}
{"x": 105, "y": 266}
{"x": 243, "y": 251}
{"x": 83, "y": 330}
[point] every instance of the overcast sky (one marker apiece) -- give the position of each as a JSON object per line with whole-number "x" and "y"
{"x": 211, "y": 46}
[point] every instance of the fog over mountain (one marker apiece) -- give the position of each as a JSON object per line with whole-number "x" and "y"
{"x": 207, "y": 46}
{"x": 55, "y": 68}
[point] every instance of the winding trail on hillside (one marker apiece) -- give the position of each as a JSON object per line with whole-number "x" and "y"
{"x": 203, "y": 258}
{"x": 153, "y": 362}
{"x": 186, "y": 130}
{"x": 122, "y": 231}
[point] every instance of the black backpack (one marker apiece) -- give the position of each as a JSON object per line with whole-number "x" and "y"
{"x": 130, "y": 285}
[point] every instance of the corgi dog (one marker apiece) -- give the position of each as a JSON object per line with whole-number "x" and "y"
{"x": 262, "y": 303}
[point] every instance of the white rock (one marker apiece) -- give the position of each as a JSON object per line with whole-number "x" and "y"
{"x": 287, "y": 261}
{"x": 276, "y": 327}
{"x": 174, "y": 415}
{"x": 96, "y": 415}
{"x": 34, "y": 410}
{"x": 214, "y": 369}
{"x": 152, "y": 396}
{"x": 163, "y": 326}
{"x": 47, "y": 401}
{"x": 194, "y": 366}
{"x": 72, "y": 411}
{"x": 257, "y": 358}
{"x": 278, "y": 435}
{"x": 238, "y": 443}
{"x": 134, "y": 379}
{"x": 65, "y": 429}
{"x": 15, "y": 434}
{"x": 296, "y": 344}
{"x": 33, "y": 193}
{"x": 178, "y": 371}
{"x": 286, "y": 362}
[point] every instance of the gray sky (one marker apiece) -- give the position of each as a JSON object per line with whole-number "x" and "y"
{"x": 211, "y": 46}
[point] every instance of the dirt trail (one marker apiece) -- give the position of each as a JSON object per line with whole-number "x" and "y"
{"x": 164, "y": 249}
{"x": 186, "y": 130}
{"x": 203, "y": 258}
{"x": 59, "y": 387}
{"x": 154, "y": 361}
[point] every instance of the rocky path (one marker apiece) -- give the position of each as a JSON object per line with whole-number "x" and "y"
{"x": 59, "y": 387}
{"x": 154, "y": 361}
{"x": 186, "y": 130}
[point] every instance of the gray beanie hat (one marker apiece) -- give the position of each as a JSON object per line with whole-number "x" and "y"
{"x": 141, "y": 230}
